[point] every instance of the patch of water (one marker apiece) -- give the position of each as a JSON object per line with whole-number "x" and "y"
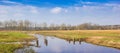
{"x": 50, "y": 44}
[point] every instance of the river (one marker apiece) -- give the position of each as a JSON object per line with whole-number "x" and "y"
{"x": 50, "y": 44}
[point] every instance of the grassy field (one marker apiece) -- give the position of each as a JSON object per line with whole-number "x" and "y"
{"x": 12, "y": 37}
{"x": 109, "y": 38}
{"x": 9, "y": 48}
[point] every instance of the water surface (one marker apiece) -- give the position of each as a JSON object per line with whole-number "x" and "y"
{"x": 49, "y": 44}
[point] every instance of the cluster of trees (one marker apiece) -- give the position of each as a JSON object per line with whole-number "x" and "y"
{"x": 15, "y": 25}
{"x": 27, "y": 25}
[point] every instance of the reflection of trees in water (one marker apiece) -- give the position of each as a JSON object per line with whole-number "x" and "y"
{"x": 74, "y": 40}
{"x": 80, "y": 40}
{"x": 46, "y": 41}
{"x": 28, "y": 49}
{"x": 37, "y": 43}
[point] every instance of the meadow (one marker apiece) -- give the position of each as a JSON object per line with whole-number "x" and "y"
{"x": 110, "y": 38}
{"x": 6, "y": 39}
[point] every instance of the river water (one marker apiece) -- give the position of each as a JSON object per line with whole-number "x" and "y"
{"x": 50, "y": 44}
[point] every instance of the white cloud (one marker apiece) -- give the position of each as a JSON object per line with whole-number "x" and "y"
{"x": 77, "y": 8}
{"x": 105, "y": 6}
{"x": 10, "y": 2}
{"x": 33, "y": 9}
{"x": 56, "y": 10}
{"x": 18, "y": 11}
{"x": 111, "y": 4}
{"x": 66, "y": 10}
{"x": 115, "y": 7}
{"x": 88, "y": 3}
{"x": 3, "y": 12}
{"x": 18, "y": 15}
{"x": 78, "y": 14}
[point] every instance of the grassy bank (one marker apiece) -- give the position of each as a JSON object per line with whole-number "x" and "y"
{"x": 9, "y": 48}
{"x": 109, "y": 38}
{"x": 12, "y": 37}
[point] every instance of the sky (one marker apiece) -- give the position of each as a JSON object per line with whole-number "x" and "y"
{"x": 104, "y": 12}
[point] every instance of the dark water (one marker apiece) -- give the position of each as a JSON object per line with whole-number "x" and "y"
{"x": 48, "y": 44}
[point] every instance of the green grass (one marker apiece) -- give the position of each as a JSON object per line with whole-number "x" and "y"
{"x": 9, "y": 48}
{"x": 14, "y": 36}
{"x": 6, "y": 36}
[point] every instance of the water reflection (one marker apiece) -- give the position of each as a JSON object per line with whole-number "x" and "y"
{"x": 46, "y": 41}
{"x": 56, "y": 45}
{"x": 37, "y": 43}
{"x": 74, "y": 41}
{"x": 68, "y": 40}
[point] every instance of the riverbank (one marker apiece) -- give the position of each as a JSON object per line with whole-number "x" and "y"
{"x": 9, "y": 37}
{"x": 110, "y": 38}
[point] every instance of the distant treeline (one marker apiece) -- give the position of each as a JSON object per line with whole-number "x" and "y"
{"x": 27, "y": 25}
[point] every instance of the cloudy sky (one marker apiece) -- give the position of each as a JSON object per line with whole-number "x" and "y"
{"x": 62, "y": 11}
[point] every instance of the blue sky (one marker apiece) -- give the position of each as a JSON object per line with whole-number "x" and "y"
{"x": 62, "y": 11}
